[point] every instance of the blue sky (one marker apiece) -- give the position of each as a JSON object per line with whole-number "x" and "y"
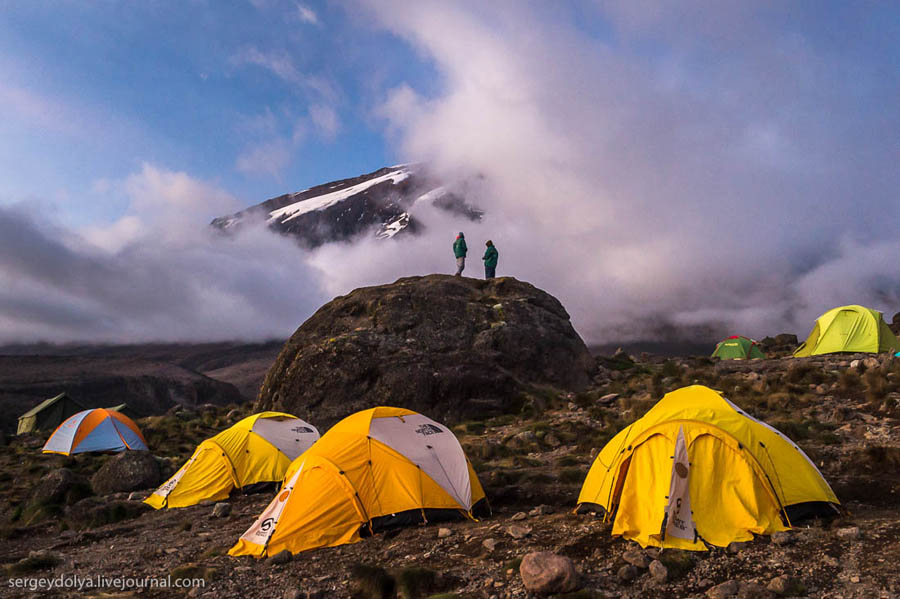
{"x": 723, "y": 165}
{"x": 224, "y": 91}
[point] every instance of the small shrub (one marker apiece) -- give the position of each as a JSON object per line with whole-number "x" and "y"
{"x": 475, "y": 428}
{"x": 192, "y": 572}
{"x": 415, "y": 582}
{"x": 371, "y": 582}
{"x": 513, "y": 564}
{"x": 572, "y": 475}
{"x": 33, "y": 563}
{"x": 876, "y": 386}
{"x": 849, "y": 381}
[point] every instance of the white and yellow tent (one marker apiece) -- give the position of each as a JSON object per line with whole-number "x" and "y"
{"x": 257, "y": 449}
{"x": 697, "y": 470}
{"x": 375, "y": 469}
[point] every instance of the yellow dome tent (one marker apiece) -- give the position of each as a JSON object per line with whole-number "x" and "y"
{"x": 257, "y": 449}
{"x": 375, "y": 469}
{"x": 697, "y": 470}
{"x": 849, "y": 329}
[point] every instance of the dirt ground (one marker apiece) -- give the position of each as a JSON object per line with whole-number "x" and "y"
{"x": 844, "y": 415}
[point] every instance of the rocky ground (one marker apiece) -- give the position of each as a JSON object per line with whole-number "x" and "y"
{"x": 842, "y": 410}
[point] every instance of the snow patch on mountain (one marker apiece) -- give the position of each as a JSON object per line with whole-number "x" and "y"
{"x": 292, "y": 211}
{"x": 393, "y": 227}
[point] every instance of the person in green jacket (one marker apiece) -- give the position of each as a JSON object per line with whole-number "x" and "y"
{"x": 460, "y": 250}
{"x": 490, "y": 260}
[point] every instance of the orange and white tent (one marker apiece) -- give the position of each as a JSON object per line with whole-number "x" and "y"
{"x": 376, "y": 469}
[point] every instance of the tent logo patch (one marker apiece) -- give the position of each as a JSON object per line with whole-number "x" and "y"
{"x": 266, "y": 524}
{"x": 428, "y": 429}
{"x": 302, "y": 429}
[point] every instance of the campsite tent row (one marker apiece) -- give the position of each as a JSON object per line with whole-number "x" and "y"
{"x": 694, "y": 472}
{"x": 845, "y": 329}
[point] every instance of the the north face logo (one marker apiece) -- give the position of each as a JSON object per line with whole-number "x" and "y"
{"x": 302, "y": 429}
{"x": 428, "y": 429}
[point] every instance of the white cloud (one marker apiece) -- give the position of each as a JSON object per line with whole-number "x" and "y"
{"x": 678, "y": 170}
{"x": 268, "y": 157}
{"x": 307, "y": 15}
{"x": 325, "y": 119}
{"x": 145, "y": 277}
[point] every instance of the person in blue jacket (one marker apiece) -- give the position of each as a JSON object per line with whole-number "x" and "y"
{"x": 490, "y": 260}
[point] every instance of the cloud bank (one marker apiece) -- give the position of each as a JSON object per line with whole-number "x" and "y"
{"x": 726, "y": 164}
{"x": 729, "y": 167}
{"x": 156, "y": 274}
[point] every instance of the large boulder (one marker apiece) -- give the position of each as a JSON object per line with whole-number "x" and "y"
{"x": 127, "y": 471}
{"x": 59, "y": 487}
{"x": 450, "y": 347}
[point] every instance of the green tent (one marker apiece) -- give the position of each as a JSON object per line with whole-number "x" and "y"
{"x": 738, "y": 348}
{"x": 48, "y": 414}
{"x": 124, "y": 408}
{"x": 849, "y": 329}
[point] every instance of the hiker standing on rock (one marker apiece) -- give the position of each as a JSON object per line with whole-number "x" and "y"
{"x": 459, "y": 250}
{"x": 490, "y": 260}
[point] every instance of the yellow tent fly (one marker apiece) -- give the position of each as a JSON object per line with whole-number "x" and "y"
{"x": 257, "y": 449}
{"x": 849, "y": 329}
{"x": 373, "y": 470}
{"x": 696, "y": 470}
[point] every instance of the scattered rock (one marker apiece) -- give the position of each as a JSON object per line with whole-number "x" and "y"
{"x": 519, "y": 516}
{"x": 737, "y": 546}
{"x": 443, "y": 533}
{"x": 750, "y": 590}
{"x": 127, "y": 471}
{"x": 848, "y": 533}
{"x": 221, "y": 510}
{"x": 608, "y": 398}
{"x": 723, "y": 591}
{"x": 627, "y": 573}
{"x": 637, "y": 558}
{"x": 57, "y": 487}
{"x": 658, "y": 571}
{"x": 552, "y": 440}
{"x": 137, "y": 496}
{"x": 518, "y": 532}
{"x": 234, "y": 416}
{"x": 282, "y": 557}
{"x": 541, "y": 510}
{"x": 786, "y": 586}
{"x": 489, "y": 544}
{"x": 545, "y": 572}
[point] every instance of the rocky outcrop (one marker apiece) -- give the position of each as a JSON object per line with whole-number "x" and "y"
{"x": 128, "y": 471}
{"x": 451, "y": 347}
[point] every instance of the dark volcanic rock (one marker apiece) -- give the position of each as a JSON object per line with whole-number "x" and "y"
{"x": 128, "y": 471}
{"x": 450, "y": 347}
{"x": 59, "y": 486}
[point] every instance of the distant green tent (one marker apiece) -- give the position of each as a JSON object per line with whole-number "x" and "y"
{"x": 49, "y": 414}
{"x": 738, "y": 348}
{"x": 849, "y": 329}
{"x": 124, "y": 408}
